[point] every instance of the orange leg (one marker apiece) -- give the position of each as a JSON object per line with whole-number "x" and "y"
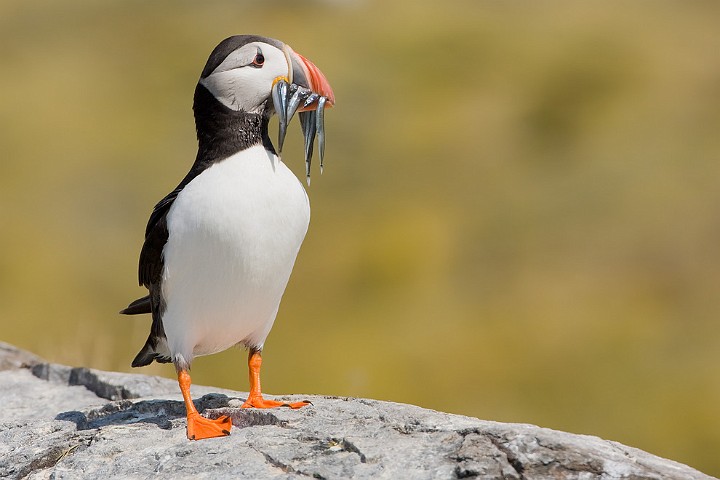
{"x": 255, "y": 399}
{"x": 199, "y": 427}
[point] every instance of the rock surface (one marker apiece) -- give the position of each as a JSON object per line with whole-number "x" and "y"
{"x": 63, "y": 423}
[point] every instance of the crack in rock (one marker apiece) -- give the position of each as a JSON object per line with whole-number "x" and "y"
{"x": 478, "y": 455}
{"x": 81, "y": 377}
{"x": 50, "y": 457}
{"x": 414, "y": 427}
{"x": 287, "y": 468}
{"x": 334, "y": 445}
{"x": 348, "y": 446}
{"x": 108, "y": 385}
{"x": 512, "y": 459}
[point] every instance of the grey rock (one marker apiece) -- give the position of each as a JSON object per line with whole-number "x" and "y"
{"x": 12, "y": 358}
{"x": 65, "y": 423}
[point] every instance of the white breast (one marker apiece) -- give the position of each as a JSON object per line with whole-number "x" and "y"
{"x": 234, "y": 233}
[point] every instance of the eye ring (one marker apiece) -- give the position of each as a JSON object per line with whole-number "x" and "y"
{"x": 259, "y": 60}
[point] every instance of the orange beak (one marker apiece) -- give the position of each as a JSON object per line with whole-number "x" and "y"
{"x": 306, "y": 74}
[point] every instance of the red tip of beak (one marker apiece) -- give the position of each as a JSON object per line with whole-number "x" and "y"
{"x": 318, "y": 82}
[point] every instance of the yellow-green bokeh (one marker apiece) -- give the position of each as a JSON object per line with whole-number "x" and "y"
{"x": 519, "y": 218}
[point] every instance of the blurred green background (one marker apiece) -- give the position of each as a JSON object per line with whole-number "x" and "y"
{"x": 519, "y": 218}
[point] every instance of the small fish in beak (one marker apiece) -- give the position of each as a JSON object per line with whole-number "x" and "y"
{"x": 308, "y": 92}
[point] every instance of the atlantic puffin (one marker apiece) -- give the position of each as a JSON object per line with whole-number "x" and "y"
{"x": 219, "y": 248}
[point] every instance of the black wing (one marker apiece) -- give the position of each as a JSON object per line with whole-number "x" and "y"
{"x": 150, "y": 275}
{"x": 151, "y": 258}
{"x": 156, "y": 235}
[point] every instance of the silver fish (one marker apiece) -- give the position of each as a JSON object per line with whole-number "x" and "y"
{"x": 320, "y": 127}
{"x": 308, "y": 123}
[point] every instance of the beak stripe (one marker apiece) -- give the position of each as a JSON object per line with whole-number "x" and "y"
{"x": 318, "y": 82}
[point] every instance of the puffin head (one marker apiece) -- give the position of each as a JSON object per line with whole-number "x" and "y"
{"x": 254, "y": 75}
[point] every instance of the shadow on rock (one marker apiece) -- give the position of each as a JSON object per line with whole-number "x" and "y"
{"x": 127, "y": 412}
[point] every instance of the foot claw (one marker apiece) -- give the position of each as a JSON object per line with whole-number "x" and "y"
{"x": 199, "y": 427}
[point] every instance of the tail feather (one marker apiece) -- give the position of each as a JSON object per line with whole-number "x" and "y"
{"x": 139, "y": 306}
{"x": 145, "y": 356}
{"x": 155, "y": 348}
{"x": 148, "y": 354}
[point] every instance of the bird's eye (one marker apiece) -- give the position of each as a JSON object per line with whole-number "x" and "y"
{"x": 258, "y": 60}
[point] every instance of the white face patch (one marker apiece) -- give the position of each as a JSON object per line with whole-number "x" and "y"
{"x": 238, "y": 84}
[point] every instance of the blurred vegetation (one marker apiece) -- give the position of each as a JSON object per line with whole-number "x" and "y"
{"x": 519, "y": 218}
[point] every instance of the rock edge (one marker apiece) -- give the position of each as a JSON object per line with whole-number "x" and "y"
{"x": 64, "y": 422}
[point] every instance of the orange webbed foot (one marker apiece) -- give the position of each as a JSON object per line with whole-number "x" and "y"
{"x": 199, "y": 427}
{"x": 257, "y": 401}
{"x": 255, "y": 398}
